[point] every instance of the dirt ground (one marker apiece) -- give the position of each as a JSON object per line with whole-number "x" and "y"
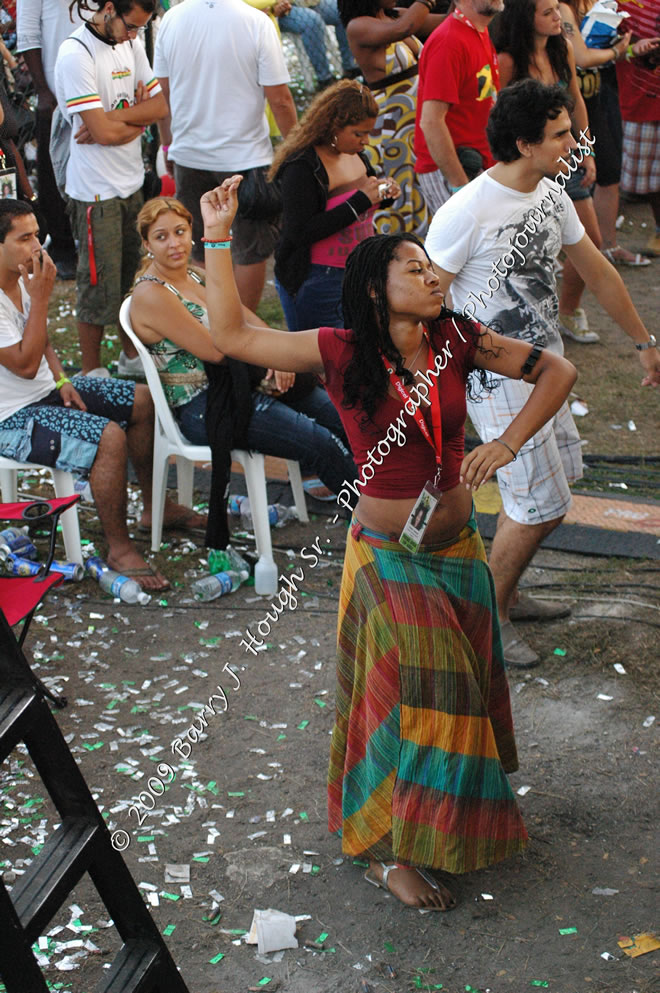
{"x": 247, "y": 806}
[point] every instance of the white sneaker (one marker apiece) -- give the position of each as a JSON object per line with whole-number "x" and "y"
{"x": 576, "y": 326}
{"x": 99, "y": 373}
{"x": 130, "y": 367}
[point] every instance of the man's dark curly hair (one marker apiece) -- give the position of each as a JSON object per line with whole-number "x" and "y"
{"x": 366, "y": 312}
{"x": 521, "y": 113}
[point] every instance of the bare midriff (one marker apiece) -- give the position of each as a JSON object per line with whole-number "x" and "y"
{"x": 389, "y": 516}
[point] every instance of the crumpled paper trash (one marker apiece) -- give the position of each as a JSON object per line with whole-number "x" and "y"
{"x": 272, "y": 930}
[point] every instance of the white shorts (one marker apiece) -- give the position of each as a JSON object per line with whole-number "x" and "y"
{"x": 534, "y": 488}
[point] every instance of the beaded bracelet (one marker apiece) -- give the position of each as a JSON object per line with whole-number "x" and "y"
{"x": 499, "y": 440}
{"x": 630, "y": 54}
{"x": 61, "y": 381}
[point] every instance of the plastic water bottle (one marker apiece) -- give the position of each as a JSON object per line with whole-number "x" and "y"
{"x": 265, "y": 578}
{"x": 211, "y": 587}
{"x": 114, "y": 583}
{"x": 84, "y": 490}
{"x": 225, "y": 559}
{"x": 278, "y": 514}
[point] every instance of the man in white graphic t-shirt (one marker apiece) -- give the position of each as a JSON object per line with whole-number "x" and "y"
{"x": 495, "y": 243}
{"x": 106, "y": 88}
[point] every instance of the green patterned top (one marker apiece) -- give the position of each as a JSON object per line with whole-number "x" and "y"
{"x": 181, "y": 373}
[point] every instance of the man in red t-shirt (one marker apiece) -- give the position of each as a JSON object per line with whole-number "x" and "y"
{"x": 458, "y": 81}
{"x": 639, "y": 95}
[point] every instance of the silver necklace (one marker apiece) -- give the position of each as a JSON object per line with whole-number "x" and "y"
{"x": 414, "y": 358}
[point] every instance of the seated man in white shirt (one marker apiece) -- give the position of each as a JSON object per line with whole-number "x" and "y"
{"x": 88, "y": 426}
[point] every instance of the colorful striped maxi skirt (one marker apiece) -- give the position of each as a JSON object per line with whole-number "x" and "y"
{"x": 423, "y": 734}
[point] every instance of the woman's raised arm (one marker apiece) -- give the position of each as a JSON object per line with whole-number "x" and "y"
{"x": 230, "y": 331}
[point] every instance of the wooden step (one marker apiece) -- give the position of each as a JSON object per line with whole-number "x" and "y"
{"x": 46, "y": 885}
{"x": 17, "y": 711}
{"x": 134, "y": 969}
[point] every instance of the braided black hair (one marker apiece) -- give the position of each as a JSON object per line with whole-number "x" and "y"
{"x": 366, "y": 312}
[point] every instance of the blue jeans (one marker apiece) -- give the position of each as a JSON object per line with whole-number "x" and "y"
{"x": 309, "y": 23}
{"x": 312, "y": 433}
{"x": 317, "y": 304}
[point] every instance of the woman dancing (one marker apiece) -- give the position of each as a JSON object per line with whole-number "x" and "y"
{"x": 423, "y": 735}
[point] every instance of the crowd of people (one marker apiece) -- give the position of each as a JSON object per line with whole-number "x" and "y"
{"x": 493, "y": 131}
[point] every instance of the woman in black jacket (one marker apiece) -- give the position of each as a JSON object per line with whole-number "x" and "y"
{"x": 329, "y": 193}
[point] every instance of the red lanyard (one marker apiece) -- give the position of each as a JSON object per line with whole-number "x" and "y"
{"x": 434, "y": 440}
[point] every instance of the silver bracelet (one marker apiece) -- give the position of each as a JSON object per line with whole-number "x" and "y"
{"x": 499, "y": 440}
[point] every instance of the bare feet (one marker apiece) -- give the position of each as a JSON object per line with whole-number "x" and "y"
{"x": 176, "y": 516}
{"x": 413, "y": 887}
{"x": 129, "y": 562}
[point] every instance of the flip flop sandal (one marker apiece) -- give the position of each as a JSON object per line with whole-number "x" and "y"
{"x": 145, "y": 571}
{"x": 382, "y": 884}
{"x": 316, "y": 484}
{"x": 177, "y": 525}
{"x": 636, "y": 263}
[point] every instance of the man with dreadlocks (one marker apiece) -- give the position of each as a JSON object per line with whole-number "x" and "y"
{"x": 423, "y": 734}
{"x": 107, "y": 90}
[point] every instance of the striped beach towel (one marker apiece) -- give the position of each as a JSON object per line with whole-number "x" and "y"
{"x": 423, "y": 734}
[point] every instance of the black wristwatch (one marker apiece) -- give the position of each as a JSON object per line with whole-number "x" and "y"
{"x": 651, "y": 343}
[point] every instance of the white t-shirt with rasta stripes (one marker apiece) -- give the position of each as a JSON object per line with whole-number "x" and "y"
{"x": 101, "y": 76}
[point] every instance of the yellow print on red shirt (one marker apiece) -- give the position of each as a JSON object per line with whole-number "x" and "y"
{"x": 485, "y": 86}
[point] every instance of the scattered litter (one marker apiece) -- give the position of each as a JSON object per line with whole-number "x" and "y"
{"x": 632, "y": 426}
{"x": 640, "y": 944}
{"x": 604, "y": 696}
{"x": 272, "y": 930}
{"x": 568, "y": 930}
{"x": 619, "y": 668}
{"x": 618, "y": 486}
{"x": 487, "y": 896}
{"x": 648, "y": 721}
{"x": 608, "y": 957}
{"x": 523, "y": 791}
{"x": 616, "y": 427}
{"x": 540, "y": 982}
{"x": 603, "y": 891}
{"x": 177, "y": 873}
{"x": 579, "y": 408}
{"x": 559, "y": 651}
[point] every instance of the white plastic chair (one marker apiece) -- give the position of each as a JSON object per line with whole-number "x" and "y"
{"x": 63, "y": 485}
{"x": 168, "y": 441}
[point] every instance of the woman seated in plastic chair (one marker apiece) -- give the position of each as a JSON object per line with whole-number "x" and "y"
{"x": 217, "y": 401}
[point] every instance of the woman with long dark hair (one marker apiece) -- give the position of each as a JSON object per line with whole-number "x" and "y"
{"x": 423, "y": 735}
{"x": 329, "y": 193}
{"x": 529, "y": 42}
